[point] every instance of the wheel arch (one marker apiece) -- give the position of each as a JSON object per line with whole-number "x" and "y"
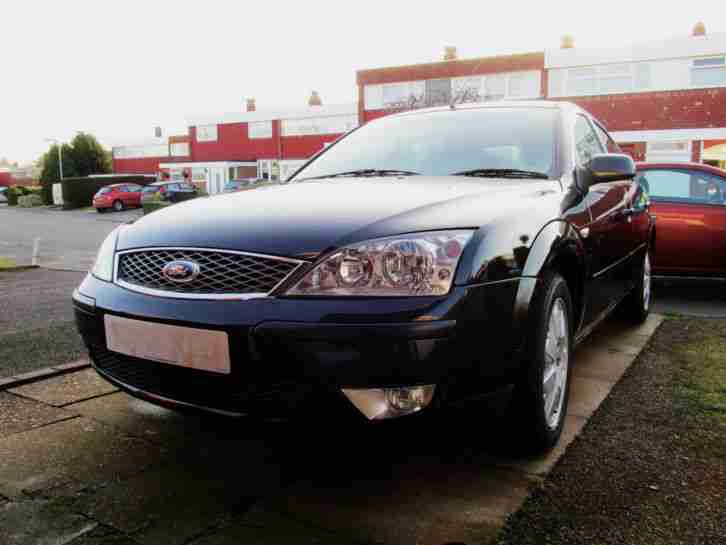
{"x": 558, "y": 246}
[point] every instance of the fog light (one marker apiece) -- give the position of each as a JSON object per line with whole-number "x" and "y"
{"x": 381, "y": 403}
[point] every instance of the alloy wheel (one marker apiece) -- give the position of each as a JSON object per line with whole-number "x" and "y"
{"x": 646, "y": 282}
{"x": 557, "y": 356}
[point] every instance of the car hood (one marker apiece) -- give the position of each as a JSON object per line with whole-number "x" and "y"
{"x": 306, "y": 218}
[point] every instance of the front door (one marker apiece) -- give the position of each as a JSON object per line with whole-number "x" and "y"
{"x": 216, "y": 180}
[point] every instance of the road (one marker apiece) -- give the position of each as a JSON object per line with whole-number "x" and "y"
{"x": 68, "y": 239}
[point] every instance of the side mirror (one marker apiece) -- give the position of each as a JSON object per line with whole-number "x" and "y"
{"x": 610, "y": 167}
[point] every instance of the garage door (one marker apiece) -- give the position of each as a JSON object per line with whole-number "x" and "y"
{"x": 668, "y": 152}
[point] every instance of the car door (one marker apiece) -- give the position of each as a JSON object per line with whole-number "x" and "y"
{"x": 134, "y": 195}
{"x": 609, "y": 235}
{"x": 690, "y": 207}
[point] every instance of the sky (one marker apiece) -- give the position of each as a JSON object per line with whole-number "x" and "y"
{"x": 119, "y": 68}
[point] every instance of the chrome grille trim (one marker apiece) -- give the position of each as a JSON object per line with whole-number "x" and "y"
{"x": 203, "y": 295}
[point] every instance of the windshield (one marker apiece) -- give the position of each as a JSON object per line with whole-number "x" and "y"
{"x": 150, "y": 189}
{"x": 444, "y": 143}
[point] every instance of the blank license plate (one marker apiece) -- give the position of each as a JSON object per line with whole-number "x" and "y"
{"x": 184, "y": 346}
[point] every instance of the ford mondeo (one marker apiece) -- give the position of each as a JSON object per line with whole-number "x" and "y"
{"x": 425, "y": 258}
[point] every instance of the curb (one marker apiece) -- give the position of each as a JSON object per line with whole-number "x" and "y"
{"x": 42, "y": 374}
{"x": 15, "y": 268}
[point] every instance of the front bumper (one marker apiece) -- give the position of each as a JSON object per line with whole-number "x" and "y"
{"x": 289, "y": 355}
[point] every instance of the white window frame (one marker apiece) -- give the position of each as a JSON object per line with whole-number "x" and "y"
{"x": 179, "y": 149}
{"x": 207, "y": 133}
{"x": 634, "y": 71}
{"x": 259, "y": 129}
{"x": 716, "y": 66}
{"x": 316, "y": 126}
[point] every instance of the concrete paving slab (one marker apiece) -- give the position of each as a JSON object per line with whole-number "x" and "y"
{"x": 423, "y": 504}
{"x": 40, "y": 523}
{"x": 20, "y": 414}
{"x": 543, "y": 464}
{"x": 65, "y": 389}
{"x": 270, "y": 528}
{"x": 78, "y": 449}
{"x": 586, "y": 394}
{"x": 601, "y": 363}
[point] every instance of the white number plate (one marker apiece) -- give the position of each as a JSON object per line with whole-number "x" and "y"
{"x": 184, "y": 346}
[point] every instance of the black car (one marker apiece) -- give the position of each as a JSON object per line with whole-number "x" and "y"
{"x": 3, "y": 194}
{"x": 425, "y": 258}
{"x": 168, "y": 191}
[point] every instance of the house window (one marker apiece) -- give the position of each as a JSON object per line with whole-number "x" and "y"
{"x": 179, "y": 149}
{"x": 600, "y": 80}
{"x": 207, "y": 133}
{"x": 404, "y": 95}
{"x": 524, "y": 85}
{"x": 708, "y": 72}
{"x": 260, "y": 129}
{"x": 337, "y": 124}
{"x": 467, "y": 89}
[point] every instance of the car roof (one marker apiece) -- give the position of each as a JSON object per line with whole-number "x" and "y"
{"x": 688, "y": 166}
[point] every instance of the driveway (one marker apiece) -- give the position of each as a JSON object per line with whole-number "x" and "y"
{"x": 68, "y": 239}
{"x": 85, "y": 464}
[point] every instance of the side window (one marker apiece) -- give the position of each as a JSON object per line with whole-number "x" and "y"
{"x": 123, "y": 189}
{"x": 683, "y": 186}
{"x": 606, "y": 140}
{"x": 586, "y": 141}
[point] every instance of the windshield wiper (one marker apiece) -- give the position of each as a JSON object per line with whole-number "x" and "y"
{"x": 502, "y": 173}
{"x": 364, "y": 172}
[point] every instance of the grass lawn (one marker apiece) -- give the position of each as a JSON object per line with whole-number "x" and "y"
{"x": 7, "y": 263}
{"x": 650, "y": 466}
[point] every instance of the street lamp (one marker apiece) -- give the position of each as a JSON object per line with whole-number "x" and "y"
{"x": 60, "y": 154}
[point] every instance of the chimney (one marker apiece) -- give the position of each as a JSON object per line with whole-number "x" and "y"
{"x": 450, "y": 53}
{"x": 568, "y": 42}
{"x": 699, "y": 29}
{"x": 314, "y": 99}
{"x": 251, "y": 106}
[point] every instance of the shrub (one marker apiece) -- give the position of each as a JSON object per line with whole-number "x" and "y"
{"x": 12, "y": 195}
{"x": 28, "y": 201}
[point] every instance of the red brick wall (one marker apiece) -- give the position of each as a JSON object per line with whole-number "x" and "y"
{"x": 688, "y": 109}
{"x": 146, "y": 165}
{"x": 233, "y": 144}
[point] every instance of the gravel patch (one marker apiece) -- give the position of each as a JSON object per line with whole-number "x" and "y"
{"x": 650, "y": 467}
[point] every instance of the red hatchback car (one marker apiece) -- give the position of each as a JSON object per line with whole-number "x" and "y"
{"x": 689, "y": 201}
{"x": 117, "y": 197}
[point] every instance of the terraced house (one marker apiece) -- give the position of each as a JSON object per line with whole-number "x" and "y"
{"x": 661, "y": 101}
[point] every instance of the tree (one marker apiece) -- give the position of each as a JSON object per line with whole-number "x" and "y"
{"x": 82, "y": 157}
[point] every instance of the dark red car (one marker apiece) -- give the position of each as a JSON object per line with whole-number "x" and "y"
{"x": 117, "y": 197}
{"x": 689, "y": 201}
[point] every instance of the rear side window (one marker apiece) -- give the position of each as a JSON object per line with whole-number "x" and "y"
{"x": 673, "y": 185}
{"x": 587, "y": 143}
{"x": 105, "y": 190}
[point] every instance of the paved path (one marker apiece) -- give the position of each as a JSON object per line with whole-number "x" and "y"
{"x": 702, "y": 298}
{"x": 85, "y": 464}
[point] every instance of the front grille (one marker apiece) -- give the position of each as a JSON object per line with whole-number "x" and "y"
{"x": 264, "y": 396}
{"x": 220, "y": 272}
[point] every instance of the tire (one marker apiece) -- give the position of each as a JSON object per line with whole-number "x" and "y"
{"x": 635, "y": 308}
{"x": 540, "y": 417}
{"x": 118, "y": 206}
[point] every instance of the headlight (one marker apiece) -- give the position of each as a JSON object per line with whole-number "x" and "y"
{"x": 416, "y": 264}
{"x": 103, "y": 266}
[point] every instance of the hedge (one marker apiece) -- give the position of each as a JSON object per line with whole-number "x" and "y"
{"x": 79, "y": 192}
{"x": 28, "y": 201}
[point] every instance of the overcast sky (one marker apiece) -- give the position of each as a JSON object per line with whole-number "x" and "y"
{"x": 119, "y": 68}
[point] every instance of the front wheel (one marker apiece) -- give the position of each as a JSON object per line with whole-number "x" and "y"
{"x": 118, "y": 206}
{"x": 540, "y": 398}
{"x": 636, "y": 307}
